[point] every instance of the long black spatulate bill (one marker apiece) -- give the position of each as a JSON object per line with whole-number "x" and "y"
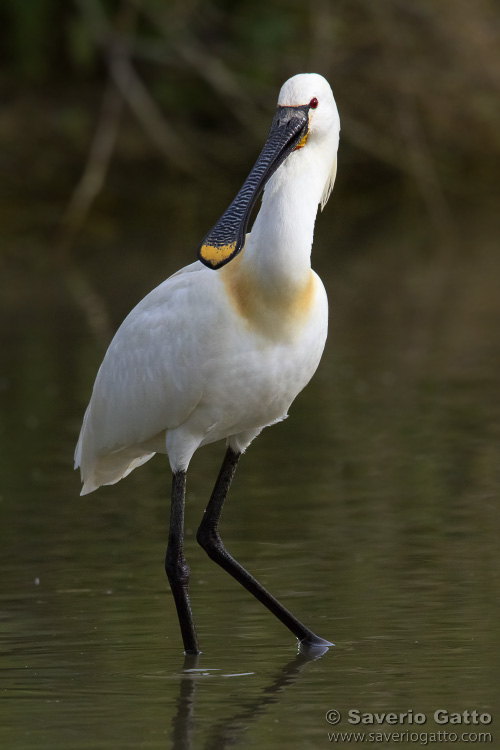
{"x": 227, "y": 236}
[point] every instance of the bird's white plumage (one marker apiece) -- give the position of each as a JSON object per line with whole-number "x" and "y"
{"x": 221, "y": 354}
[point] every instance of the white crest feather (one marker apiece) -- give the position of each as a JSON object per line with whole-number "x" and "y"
{"x": 329, "y": 185}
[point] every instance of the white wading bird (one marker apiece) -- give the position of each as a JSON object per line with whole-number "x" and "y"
{"x": 222, "y": 347}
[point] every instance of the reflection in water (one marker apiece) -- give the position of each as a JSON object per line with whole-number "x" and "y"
{"x": 230, "y": 730}
{"x": 183, "y": 721}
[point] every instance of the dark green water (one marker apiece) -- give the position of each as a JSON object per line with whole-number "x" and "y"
{"x": 372, "y": 513}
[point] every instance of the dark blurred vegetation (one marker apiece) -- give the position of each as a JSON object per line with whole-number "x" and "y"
{"x": 417, "y": 85}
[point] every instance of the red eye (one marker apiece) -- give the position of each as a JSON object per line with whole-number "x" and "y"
{"x": 313, "y": 103}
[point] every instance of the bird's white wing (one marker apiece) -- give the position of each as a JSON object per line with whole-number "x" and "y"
{"x": 150, "y": 378}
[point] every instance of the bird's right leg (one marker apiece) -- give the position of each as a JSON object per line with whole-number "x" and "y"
{"x": 176, "y": 567}
{"x": 209, "y": 538}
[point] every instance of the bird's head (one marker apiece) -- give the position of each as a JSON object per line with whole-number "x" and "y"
{"x": 311, "y": 94}
{"x": 306, "y": 118}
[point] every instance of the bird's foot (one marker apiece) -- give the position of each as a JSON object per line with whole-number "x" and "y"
{"x": 314, "y": 646}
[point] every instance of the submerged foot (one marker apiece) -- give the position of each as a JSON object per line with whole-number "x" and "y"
{"x": 314, "y": 646}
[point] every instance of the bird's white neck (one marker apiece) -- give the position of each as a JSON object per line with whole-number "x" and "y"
{"x": 278, "y": 249}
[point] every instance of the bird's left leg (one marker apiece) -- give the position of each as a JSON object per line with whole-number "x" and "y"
{"x": 176, "y": 566}
{"x": 209, "y": 538}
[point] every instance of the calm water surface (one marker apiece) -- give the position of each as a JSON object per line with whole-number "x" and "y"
{"x": 372, "y": 513}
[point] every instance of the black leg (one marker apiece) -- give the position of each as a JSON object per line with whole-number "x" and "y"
{"x": 209, "y": 538}
{"x": 176, "y": 566}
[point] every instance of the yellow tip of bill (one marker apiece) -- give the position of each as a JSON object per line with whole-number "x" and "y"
{"x": 216, "y": 255}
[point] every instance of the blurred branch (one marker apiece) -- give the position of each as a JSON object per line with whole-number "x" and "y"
{"x": 480, "y": 33}
{"x": 96, "y": 167}
{"x": 117, "y": 50}
{"x": 85, "y": 193}
{"x": 213, "y": 71}
{"x": 146, "y": 111}
{"x": 78, "y": 208}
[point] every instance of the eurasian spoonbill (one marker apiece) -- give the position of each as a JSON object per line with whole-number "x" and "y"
{"x": 222, "y": 348}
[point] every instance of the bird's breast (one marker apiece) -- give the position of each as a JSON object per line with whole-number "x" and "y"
{"x": 261, "y": 361}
